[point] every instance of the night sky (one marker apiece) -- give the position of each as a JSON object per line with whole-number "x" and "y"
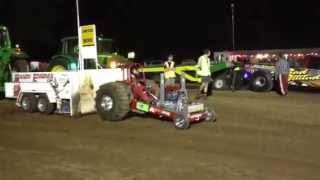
{"x": 155, "y": 28}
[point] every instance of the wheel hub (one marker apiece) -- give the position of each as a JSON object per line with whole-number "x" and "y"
{"x": 210, "y": 116}
{"x": 179, "y": 122}
{"x": 218, "y": 84}
{"x": 106, "y": 103}
{"x": 41, "y": 105}
{"x": 260, "y": 81}
{"x": 25, "y": 103}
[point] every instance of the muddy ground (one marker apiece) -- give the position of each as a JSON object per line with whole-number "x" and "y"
{"x": 257, "y": 136}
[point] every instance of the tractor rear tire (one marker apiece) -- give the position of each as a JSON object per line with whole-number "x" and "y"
{"x": 112, "y": 101}
{"x": 29, "y": 103}
{"x": 58, "y": 65}
{"x": 20, "y": 65}
{"x": 261, "y": 81}
{"x": 44, "y": 106}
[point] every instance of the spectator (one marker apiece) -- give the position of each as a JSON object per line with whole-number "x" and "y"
{"x": 282, "y": 72}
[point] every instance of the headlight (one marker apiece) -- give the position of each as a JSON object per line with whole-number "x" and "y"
{"x": 113, "y": 64}
{"x": 131, "y": 55}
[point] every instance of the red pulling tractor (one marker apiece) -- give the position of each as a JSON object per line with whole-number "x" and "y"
{"x": 143, "y": 97}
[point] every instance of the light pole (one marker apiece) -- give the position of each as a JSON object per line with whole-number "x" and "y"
{"x": 80, "y": 62}
{"x": 78, "y": 14}
{"x": 232, "y": 19}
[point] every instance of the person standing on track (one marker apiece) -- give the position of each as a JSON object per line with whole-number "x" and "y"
{"x": 169, "y": 71}
{"x": 282, "y": 73}
{"x": 204, "y": 72}
{"x": 236, "y": 76}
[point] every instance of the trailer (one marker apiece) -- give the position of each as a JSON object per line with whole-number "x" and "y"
{"x": 259, "y": 66}
{"x": 59, "y": 92}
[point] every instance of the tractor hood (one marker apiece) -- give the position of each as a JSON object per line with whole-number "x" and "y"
{"x": 111, "y": 60}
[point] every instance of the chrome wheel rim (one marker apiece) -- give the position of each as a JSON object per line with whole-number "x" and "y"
{"x": 41, "y": 105}
{"x": 218, "y": 84}
{"x": 25, "y": 103}
{"x": 106, "y": 103}
{"x": 179, "y": 122}
{"x": 260, "y": 81}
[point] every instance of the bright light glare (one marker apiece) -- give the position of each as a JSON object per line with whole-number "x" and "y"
{"x": 113, "y": 64}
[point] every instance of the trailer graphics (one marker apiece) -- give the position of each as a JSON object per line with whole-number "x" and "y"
{"x": 307, "y": 77}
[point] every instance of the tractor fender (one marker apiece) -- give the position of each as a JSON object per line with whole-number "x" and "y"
{"x": 263, "y": 70}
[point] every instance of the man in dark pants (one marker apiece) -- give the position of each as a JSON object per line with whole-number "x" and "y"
{"x": 236, "y": 77}
{"x": 282, "y": 73}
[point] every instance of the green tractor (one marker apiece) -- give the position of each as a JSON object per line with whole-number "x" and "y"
{"x": 67, "y": 59}
{"x": 11, "y": 59}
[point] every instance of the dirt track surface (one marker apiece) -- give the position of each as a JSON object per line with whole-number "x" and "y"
{"x": 257, "y": 136}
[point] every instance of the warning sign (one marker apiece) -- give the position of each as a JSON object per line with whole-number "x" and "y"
{"x": 88, "y": 47}
{"x": 88, "y": 35}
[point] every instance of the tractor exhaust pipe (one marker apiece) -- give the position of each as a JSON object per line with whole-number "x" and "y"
{"x": 162, "y": 91}
{"x": 183, "y": 84}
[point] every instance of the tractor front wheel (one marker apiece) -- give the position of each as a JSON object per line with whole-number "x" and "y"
{"x": 211, "y": 116}
{"x": 112, "y": 101}
{"x": 180, "y": 122}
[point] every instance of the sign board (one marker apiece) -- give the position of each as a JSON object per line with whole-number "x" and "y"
{"x": 88, "y": 35}
{"x": 88, "y": 46}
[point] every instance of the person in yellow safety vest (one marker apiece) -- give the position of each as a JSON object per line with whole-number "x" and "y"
{"x": 203, "y": 70}
{"x": 169, "y": 71}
